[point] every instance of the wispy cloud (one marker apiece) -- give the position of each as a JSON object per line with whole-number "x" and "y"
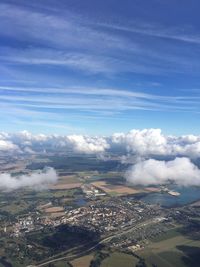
{"x": 68, "y": 31}
{"x": 61, "y": 41}
{"x": 99, "y": 91}
{"x": 183, "y": 34}
{"x": 59, "y": 64}
{"x": 95, "y": 99}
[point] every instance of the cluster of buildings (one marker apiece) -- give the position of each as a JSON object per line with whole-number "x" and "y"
{"x": 92, "y": 192}
{"x": 110, "y": 215}
{"x": 138, "y": 237}
{"x": 123, "y": 222}
{"x": 26, "y": 224}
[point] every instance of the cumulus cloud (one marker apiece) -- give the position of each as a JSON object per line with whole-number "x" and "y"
{"x": 144, "y": 143}
{"x": 152, "y": 142}
{"x": 38, "y": 180}
{"x": 7, "y": 145}
{"x": 30, "y": 143}
{"x": 87, "y": 144}
{"x": 180, "y": 170}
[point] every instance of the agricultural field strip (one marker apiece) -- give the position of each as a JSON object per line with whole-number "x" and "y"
{"x": 108, "y": 188}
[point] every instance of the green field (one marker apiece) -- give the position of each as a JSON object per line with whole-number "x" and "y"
{"x": 117, "y": 259}
{"x": 16, "y": 207}
{"x": 59, "y": 193}
{"x": 61, "y": 264}
{"x": 77, "y": 163}
{"x": 172, "y": 250}
{"x": 169, "y": 234}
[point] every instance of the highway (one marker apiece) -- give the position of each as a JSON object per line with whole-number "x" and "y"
{"x": 105, "y": 240}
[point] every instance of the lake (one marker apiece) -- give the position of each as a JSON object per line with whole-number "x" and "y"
{"x": 187, "y": 195}
{"x": 80, "y": 202}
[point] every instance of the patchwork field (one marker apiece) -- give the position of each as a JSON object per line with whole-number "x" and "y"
{"x": 61, "y": 186}
{"x": 117, "y": 189}
{"x": 68, "y": 178}
{"x": 56, "y": 214}
{"x": 66, "y": 182}
{"x": 54, "y": 209}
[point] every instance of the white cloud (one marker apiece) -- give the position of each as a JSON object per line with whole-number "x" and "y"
{"x": 145, "y": 143}
{"x": 87, "y": 144}
{"x": 7, "y": 145}
{"x": 67, "y": 32}
{"x": 158, "y": 31}
{"x": 152, "y": 142}
{"x": 37, "y": 180}
{"x": 137, "y": 144}
{"x": 180, "y": 170}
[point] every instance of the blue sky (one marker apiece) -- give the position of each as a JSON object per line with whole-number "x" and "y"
{"x": 97, "y": 67}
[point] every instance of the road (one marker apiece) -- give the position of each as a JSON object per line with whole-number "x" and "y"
{"x": 105, "y": 240}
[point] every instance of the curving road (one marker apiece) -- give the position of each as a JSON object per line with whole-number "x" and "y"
{"x": 77, "y": 255}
